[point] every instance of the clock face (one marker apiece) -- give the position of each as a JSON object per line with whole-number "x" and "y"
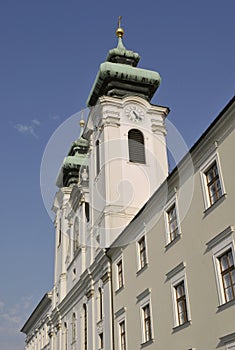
{"x": 134, "y": 113}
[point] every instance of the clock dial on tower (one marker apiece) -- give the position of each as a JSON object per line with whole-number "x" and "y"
{"x": 134, "y": 113}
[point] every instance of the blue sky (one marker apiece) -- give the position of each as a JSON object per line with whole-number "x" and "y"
{"x": 50, "y": 54}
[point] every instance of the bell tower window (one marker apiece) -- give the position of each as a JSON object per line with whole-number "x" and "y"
{"x": 136, "y": 146}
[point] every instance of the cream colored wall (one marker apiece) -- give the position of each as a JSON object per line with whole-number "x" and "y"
{"x": 208, "y": 323}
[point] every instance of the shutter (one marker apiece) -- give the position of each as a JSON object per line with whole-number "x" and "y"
{"x": 136, "y": 146}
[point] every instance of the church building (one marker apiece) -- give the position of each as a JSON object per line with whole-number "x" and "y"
{"x": 144, "y": 258}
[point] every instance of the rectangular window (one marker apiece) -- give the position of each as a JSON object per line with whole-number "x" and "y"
{"x": 180, "y": 298}
{"x": 142, "y": 252}
{"x": 227, "y": 272}
{"x": 147, "y": 323}
{"x": 120, "y": 274}
{"x": 181, "y": 303}
{"x": 122, "y": 329}
{"x": 172, "y": 223}
{"x": 213, "y": 183}
{"x": 144, "y": 301}
{"x": 171, "y": 217}
{"x": 222, "y": 247}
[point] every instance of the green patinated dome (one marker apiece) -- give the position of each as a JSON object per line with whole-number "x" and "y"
{"x": 73, "y": 163}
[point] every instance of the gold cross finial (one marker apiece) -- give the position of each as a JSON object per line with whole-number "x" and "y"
{"x": 119, "y": 21}
{"x": 119, "y": 31}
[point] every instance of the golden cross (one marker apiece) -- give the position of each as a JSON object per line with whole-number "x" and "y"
{"x": 119, "y": 21}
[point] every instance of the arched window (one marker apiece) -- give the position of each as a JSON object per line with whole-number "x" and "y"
{"x": 85, "y": 325}
{"x": 136, "y": 146}
{"x": 97, "y": 149}
{"x": 76, "y": 235}
{"x": 87, "y": 211}
{"x": 74, "y": 327}
{"x": 60, "y": 233}
{"x": 100, "y": 299}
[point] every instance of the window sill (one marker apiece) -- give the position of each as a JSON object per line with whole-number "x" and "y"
{"x": 143, "y": 345}
{"x": 117, "y": 291}
{"x": 170, "y": 244}
{"x": 215, "y": 205}
{"x": 137, "y": 163}
{"x": 140, "y": 271}
{"x": 182, "y": 326}
{"x": 226, "y": 305}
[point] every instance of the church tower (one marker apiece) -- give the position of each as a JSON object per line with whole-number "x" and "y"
{"x": 109, "y": 173}
{"x": 128, "y": 157}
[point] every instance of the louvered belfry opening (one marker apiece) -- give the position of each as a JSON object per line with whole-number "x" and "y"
{"x": 136, "y": 146}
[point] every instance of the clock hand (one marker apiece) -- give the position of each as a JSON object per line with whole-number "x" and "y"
{"x": 136, "y": 114}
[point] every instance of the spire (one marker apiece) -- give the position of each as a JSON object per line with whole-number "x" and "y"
{"x": 119, "y": 34}
{"x": 120, "y": 54}
{"x": 119, "y": 75}
{"x": 119, "y": 31}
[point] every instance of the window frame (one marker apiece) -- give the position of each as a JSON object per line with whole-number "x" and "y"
{"x": 214, "y": 158}
{"x": 172, "y": 202}
{"x": 132, "y": 156}
{"x": 144, "y": 300}
{"x": 218, "y": 251}
{"x": 228, "y": 271}
{"x": 147, "y": 323}
{"x": 178, "y": 300}
{"x": 122, "y": 334}
{"x": 121, "y": 318}
{"x": 141, "y": 266}
{"x": 119, "y": 262}
{"x": 176, "y": 276}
